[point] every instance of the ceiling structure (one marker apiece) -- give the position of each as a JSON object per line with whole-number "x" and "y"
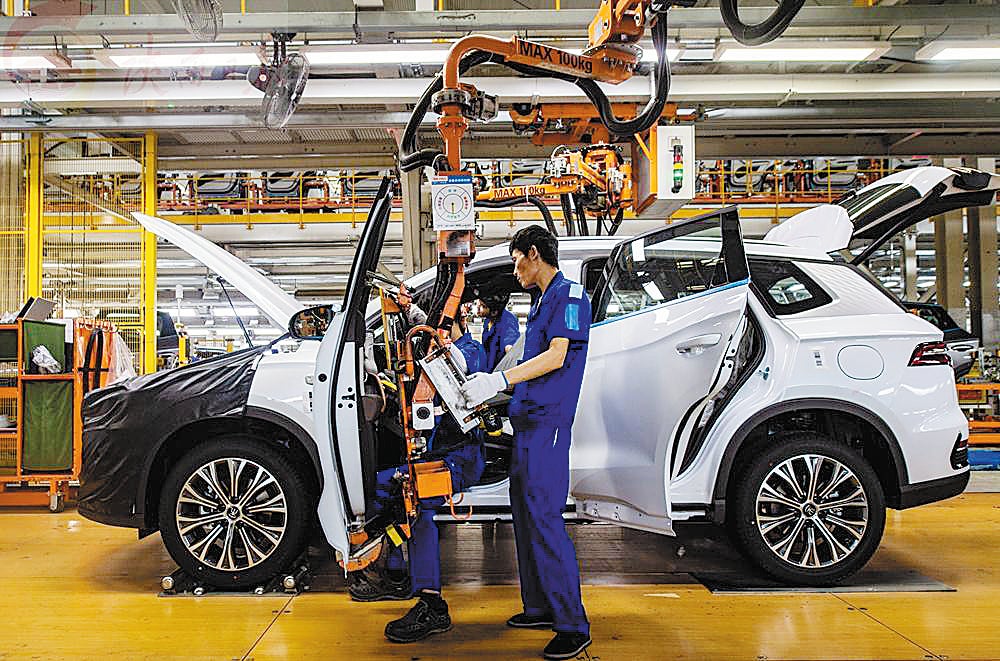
{"x": 896, "y": 102}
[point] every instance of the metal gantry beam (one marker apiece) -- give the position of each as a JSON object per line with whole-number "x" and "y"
{"x": 402, "y": 23}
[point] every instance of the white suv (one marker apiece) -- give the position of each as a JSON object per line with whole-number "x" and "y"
{"x": 766, "y": 385}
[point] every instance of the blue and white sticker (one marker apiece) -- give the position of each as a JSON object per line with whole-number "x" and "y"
{"x": 576, "y": 290}
{"x": 573, "y": 317}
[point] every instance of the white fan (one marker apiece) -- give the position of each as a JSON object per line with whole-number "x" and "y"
{"x": 202, "y": 18}
{"x": 282, "y": 82}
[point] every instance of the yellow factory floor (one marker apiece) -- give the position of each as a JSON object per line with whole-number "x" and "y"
{"x": 73, "y": 589}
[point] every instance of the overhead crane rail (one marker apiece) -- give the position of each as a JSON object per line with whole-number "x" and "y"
{"x": 763, "y": 182}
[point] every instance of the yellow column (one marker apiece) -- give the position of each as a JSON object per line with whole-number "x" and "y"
{"x": 33, "y": 235}
{"x": 149, "y": 199}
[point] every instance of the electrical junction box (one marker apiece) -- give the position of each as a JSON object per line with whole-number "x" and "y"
{"x": 453, "y": 202}
{"x": 664, "y": 171}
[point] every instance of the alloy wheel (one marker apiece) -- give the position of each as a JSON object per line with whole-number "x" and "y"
{"x": 812, "y": 511}
{"x": 231, "y": 514}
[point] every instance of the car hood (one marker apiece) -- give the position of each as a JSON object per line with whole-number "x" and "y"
{"x": 273, "y": 302}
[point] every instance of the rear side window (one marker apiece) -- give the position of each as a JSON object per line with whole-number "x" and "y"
{"x": 784, "y": 288}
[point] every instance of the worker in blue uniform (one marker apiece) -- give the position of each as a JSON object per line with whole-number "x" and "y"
{"x": 547, "y": 385}
{"x": 463, "y": 453}
{"x": 500, "y": 329}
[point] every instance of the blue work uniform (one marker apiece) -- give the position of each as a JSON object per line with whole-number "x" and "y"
{"x": 541, "y": 413}
{"x": 466, "y": 462}
{"x": 504, "y": 333}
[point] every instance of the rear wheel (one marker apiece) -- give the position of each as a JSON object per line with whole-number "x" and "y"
{"x": 234, "y": 512}
{"x": 808, "y": 510}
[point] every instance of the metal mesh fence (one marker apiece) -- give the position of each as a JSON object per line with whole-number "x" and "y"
{"x": 13, "y": 187}
{"x": 92, "y": 249}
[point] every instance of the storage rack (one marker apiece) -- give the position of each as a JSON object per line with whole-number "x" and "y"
{"x": 40, "y": 448}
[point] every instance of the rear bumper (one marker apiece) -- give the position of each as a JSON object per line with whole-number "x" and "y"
{"x": 932, "y": 491}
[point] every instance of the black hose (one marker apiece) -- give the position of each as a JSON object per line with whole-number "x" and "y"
{"x": 567, "y": 211}
{"x": 409, "y": 157}
{"x": 763, "y": 32}
{"x": 530, "y": 199}
{"x": 581, "y": 218}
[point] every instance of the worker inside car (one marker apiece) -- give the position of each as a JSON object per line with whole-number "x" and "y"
{"x": 500, "y": 328}
{"x": 388, "y": 579}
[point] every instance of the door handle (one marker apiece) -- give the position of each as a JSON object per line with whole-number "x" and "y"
{"x": 696, "y": 345}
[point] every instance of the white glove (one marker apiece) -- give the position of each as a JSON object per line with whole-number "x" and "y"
{"x": 483, "y": 386}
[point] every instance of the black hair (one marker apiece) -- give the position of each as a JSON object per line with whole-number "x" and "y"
{"x": 496, "y": 302}
{"x": 543, "y": 240}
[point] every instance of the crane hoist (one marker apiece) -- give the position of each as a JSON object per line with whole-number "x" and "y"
{"x": 419, "y": 354}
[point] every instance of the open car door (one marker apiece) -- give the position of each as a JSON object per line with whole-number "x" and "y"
{"x": 666, "y": 312}
{"x": 868, "y": 217}
{"x": 344, "y": 439}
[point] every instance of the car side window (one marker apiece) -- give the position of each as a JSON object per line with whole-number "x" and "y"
{"x": 785, "y": 288}
{"x": 645, "y": 276}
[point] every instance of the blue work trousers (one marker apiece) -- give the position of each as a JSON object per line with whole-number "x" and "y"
{"x": 546, "y": 558}
{"x": 466, "y": 464}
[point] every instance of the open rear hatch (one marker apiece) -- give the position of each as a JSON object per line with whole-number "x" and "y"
{"x": 870, "y": 216}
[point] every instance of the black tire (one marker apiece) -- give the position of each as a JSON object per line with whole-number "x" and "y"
{"x": 255, "y": 556}
{"x": 811, "y": 556}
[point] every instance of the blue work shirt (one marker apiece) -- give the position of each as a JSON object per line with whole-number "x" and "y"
{"x": 504, "y": 333}
{"x": 562, "y": 311}
{"x": 475, "y": 355}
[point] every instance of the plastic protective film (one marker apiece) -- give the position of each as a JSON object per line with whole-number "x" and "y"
{"x": 124, "y": 424}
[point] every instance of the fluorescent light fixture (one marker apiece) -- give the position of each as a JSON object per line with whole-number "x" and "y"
{"x": 649, "y": 54}
{"x": 354, "y": 56}
{"x": 31, "y": 59}
{"x": 803, "y": 51}
{"x": 360, "y": 55}
{"x": 178, "y": 58}
{"x": 248, "y": 311}
{"x": 979, "y": 49}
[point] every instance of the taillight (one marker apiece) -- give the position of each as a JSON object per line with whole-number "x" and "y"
{"x": 930, "y": 353}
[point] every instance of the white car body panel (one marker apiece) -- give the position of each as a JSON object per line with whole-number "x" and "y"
{"x": 332, "y": 510}
{"x": 621, "y": 444}
{"x": 824, "y": 228}
{"x": 280, "y": 384}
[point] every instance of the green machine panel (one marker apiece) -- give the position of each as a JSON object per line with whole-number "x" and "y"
{"x": 48, "y": 426}
{"x": 8, "y": 345}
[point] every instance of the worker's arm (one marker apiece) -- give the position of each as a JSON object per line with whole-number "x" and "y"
{"x": 484, "y": 385}
{"x": 548, "y": 361}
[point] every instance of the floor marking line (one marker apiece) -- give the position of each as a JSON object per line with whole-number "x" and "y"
{"x": 267, "y": 628}
{"x": 883, "y": 624}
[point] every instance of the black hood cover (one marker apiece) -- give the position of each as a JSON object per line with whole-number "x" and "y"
{"x": 125, "y": 424}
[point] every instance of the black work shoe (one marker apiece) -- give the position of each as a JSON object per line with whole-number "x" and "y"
{"x": 367, "y": 587}
{"x": 428, "y": 616}
{"x": 566, "y": 645}
{"x": 525, "y": 621}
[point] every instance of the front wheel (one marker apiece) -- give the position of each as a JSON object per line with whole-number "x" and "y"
{"x": 234, "y": 512}
{"x": 808, "y": 510}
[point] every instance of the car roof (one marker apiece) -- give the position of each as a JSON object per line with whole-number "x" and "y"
{"x": 578, "y": 247}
